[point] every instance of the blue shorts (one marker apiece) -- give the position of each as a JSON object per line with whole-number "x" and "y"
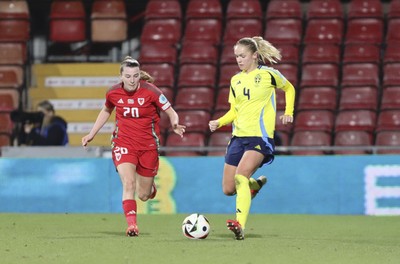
{"x": 239, "y": 145}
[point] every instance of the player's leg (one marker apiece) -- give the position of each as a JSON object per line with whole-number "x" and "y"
{"x": 146, "y": 189}
{"x": 146, "y": 170}
{"x": 228, "y": 180}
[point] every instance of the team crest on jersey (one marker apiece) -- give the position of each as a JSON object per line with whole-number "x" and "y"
{"x": 140, "y": 101}
{"x": 162, "y": 99}
{"x": 257, "y": 79}
{"x": 130, "y": 101}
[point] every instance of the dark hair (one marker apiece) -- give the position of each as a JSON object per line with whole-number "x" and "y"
{"x": 128, "y": 62}
{"x": 46, "y": 105}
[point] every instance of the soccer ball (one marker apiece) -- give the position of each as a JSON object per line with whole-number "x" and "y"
{"x": 196, "y": 226}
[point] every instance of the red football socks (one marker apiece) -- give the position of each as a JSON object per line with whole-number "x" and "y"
{"x": 130, "y": 208}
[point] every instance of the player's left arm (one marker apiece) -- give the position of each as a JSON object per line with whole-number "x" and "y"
{"x": 174, "y": 119}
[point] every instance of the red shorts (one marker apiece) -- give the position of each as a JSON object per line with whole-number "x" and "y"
{"x": 146, "y": 161}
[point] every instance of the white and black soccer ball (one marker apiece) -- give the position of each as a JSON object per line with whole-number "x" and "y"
{"x": 196, "y": 226}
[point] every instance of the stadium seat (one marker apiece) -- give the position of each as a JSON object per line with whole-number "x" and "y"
{"x": 164, "y": 124}
{"x": 352, "y": 139}
{"x": 392, "y": 53}
{"x": 6, "y": 124}
{"x": 283, "y": 31}
{"x": 194, "y": 98}
{"x": 219, "y": 139}
{"x": 236, "y": 29}
{"x": 284, "y": 9}
{"x": 13, "y": 53}
{"x": 390, "y": 98}
{"x": 317, "y": 98}
{"x": 9, "y": 100}
{"x": 244, "y": 9}
{"x": 290, "y": 53}
{"x": 198, "y": 53}
{"x": 5, "y": 140}
{"x": 164, "y": 31}
{"x": 391, "y": 74}
{"x": 109, "y": 21}
{"x": 195, "y": 75}
{"x": 324, "y": 31}
{"x": 393, "y": 32}
{"x": 227, "y": 55}
{"x": 218, "y": 114}
{"x": 280, "y": 99}
{"x": 388, "y": 120}
{"x": 14, "y": 10}
{"x": 353, "y": 98}
{"x": 222, "y": 102}
{"x": 163, "y": 10}
{"x": 393, "y": 10}
{"x": 364, "y": 30}
{"x": 190, "y": 139}
{"x": 67, "y": 21}
{"x": 195, "y": 120}
{"x": 320, "y": 74}
{"x": 321, "y": 53}
{"x": 289, "y": 70}
{"x": 310, "y": 139}
{"x": 11, "y": 77}
{"x": 365, "y": 9}
{"x": 362, "y": 53}
{"x": 163, "y": 74}
{"x": 204, "y": 9}
{"x": 14, "y": 30}
{"x": 314, "y": 120}
{"x": 169, "y": 93}
{"x": 287, "y": 128}
{"x": 388, "y": 139}
{"x": 364, "y": 120}
{"x": 360, "y": 74}
{"x": 323, "y": 9}
{"x": 205, "y": 31}
{"x": 226, "y": 73}
{"x": 157, "y": 53}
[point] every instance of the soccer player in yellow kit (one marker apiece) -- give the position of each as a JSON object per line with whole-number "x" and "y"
{"x": 252, "y": 113}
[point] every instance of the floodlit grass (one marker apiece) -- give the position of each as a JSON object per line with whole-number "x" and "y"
{"x": 99, "y": 238}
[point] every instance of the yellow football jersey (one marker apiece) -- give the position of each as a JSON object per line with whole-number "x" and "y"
{"x": 253, "y": 102}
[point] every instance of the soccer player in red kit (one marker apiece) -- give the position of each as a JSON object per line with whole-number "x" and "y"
{"x": 135, "y": 140}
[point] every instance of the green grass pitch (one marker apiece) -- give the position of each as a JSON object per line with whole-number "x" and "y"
{"x": 275, "y": 239}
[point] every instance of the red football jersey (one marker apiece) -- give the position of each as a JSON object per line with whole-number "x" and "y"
{"x": 137, "y": 115}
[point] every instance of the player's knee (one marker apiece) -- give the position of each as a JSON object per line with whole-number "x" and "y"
{"x": 228, "y": 191}
{"x": 144, "y": 197}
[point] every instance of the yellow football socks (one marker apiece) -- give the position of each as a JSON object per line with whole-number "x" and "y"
{"x": 243, "y": 199}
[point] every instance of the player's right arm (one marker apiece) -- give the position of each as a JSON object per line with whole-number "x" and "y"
{"x": 102, "y": 118}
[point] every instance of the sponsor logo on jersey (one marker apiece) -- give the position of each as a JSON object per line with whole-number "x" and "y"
{"x": 120, "y": 101}
{"x": 131, "y": 101}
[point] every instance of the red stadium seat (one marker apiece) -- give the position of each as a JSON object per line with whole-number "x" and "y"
{"x": 164, "y": 31}
{"x": 290, "y": 53}
{"x": 109, "y": 21}
{"x": 6, "y": 124}
{"x": 352, "y": 139}
{"x": 206, "y": 31}
{"x": 227, "y": 55}
{"x": 322, "y": 9}
{"x": 280, "y": 99}
{"x": 390, "y": 98}
{"x": 14, "y": 30}
{"x": 165, "y": 123}
{"x": 190, "y": 139}
{"x": 391, "y": 74}
{"x": 360, "y": 74}
{"x": 321, "y": 53}
{"x": 388, "y": 120}
{"x": 14, "y": 10}
{"x": 393, "y": 10}
{"x": 163, "y": 74}
{"x": 222, "y": 102}
{"x": 287, "y": 128}
{"x": 5, "y": 140}
{"x": 244, "y": 9}
{"x": 314, "y": 120}
{"x": 157, "y": 53}
{"x": 236, "y": 29}
{"x": 365, "y": 9}
{"x": 226, "y": 73}
{"x": 195, "y": 75}
{"x": 11, "y": 77}
{"x": 364, "y": 120}
{"x": 364, "y": 30}
{"x": 321, "y": 74}
{"x": 283, "y": 31}
{"x": 163, "y": 10}
{"x": 392, "y": 53}
{"x": 393, "y": 32}
{"x": 67, "y": 21}
{"x": 195, "y": 120}
{"x": 310, "y": 139}
{"x": 325, "y": 31}
{"x": 13, "y": 53}
{"x": 388, "y": 139}
{"x": 353, "y": 98}
{"x": 9, "y": 99}
{"x": 204, "y": 9}
{"x": 290, "y": 71}
{"x": 284, "y": 9}
{"x": 198, "y": 53}
{"x": 219, "y": 139}
{"x": 195, "y": 98}
{"x": 361, "y": 53}
{"x": 317, "y": 98}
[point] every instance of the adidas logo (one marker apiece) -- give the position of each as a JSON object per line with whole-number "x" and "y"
{"x": 132, "y": 212}
{"x": 257, "y": 147}
{"x": 120, "y": 101}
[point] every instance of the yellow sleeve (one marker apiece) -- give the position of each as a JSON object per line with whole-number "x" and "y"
{"x": 227, "y": 118}
{"x": 290, "y": 93}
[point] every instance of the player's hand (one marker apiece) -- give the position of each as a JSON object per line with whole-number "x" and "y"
{"x": 213, "y": 124}
{"x": 85, "y": 140}
{"x": 286, "y": 119}
{"x": 179, "y": 129}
